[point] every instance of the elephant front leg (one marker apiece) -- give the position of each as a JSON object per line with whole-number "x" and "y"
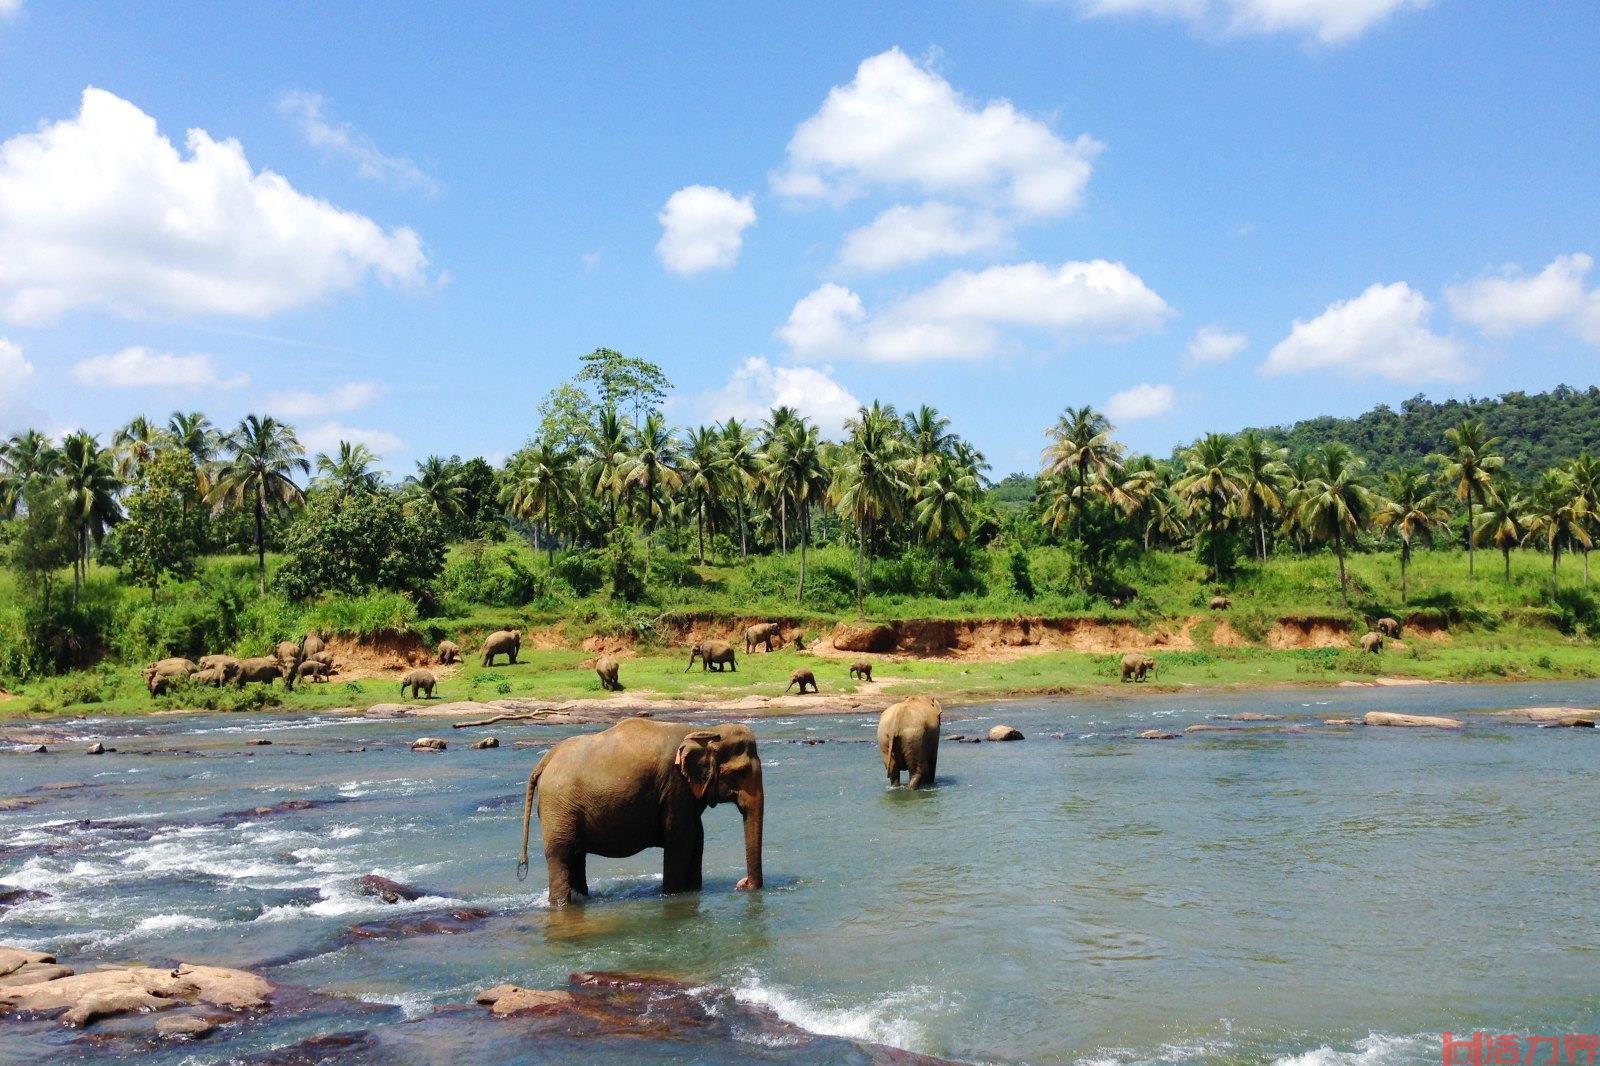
{"x": 578, "y": 874}
{"x": 681, "y": 862}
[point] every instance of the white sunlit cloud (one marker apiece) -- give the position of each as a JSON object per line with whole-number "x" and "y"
{"x": 17, "y": 373}
{"x": 325, "y": 437}
{"x": 964, "y": 316}
{"x": 1329, "y": 22}
{"x": 309, "y": 113}
{"x": 102, "y": 211}
{"x": 303, "y": 403}
{"x": 899, "y": 127}
{"x": 8, "y": 8}
{"x": 1214, "y": 344}
{"x": 1142, "y": 401}
{"x": 756, "y": 386}
{"x": 1384, "y": 332}
{"x": 702, "y": 228}
{"x": 146, "y": 368}
{"x": 1510, "y": 300}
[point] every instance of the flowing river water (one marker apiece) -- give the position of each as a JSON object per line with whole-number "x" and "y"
{"x": 1300, "y": 896}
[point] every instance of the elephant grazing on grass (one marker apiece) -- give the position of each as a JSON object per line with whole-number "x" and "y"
{"x": 607, "y": 668}
{"x": 1136, "y": 666}
{"x": 160, "y": 676}
{"x": 908, "y": 737}
{"x": 1372, "y": 642}
{"x": 1389, "y": 627}
{"x": 263, "y": 669}
{"x": 507, "y": 642}
{"x": 643, "y": 784}
{"x": 420, "y": 682}
{"x": 802, "y": 677}
{"x": 861, "y": 671}
{"x": 1220, "y": 603}
{"x": 449, "y": 652}
{"x": 764, "y": 634}
{"x": 713, "y": 655}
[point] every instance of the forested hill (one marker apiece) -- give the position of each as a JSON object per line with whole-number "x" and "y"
{"x": 1537, "y": 431}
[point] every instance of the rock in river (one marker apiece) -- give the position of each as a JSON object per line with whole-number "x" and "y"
{"x": 85, "y": 998}
{"x": 428, "y": 744}
{"x": 1157, "y": 734}
{"x": 1005, "y": 732}
{"x": 1412, "y": 720}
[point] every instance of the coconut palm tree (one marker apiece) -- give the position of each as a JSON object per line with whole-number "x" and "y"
{"x": 1127, "y": 487}
{"x": 868, "y": 486}
{"x": 1468, "y": 468}
{"x": 706, "y": 480}
{"x": 1263, "y": 474}
{"x": 928, "y": 434}
{"x": 605, "y": 454}
{"x": 1338, "y": 504}
{"x": 1411, "y": 507}
{"x": 1080, "y": 442}
{"x": 944, "y": 502}
{"x": 23, "y": 458}
{"x": 194, "y": 433}
{"x": 805, "y": 479}
{"x": 742, "y": 455}
{"x": 1500, "y": 522}
{"x": 1584, "y": 470}
{"x": 263, "y": 455}
{"x": 134, "y": 445}
{"x": 1556, "y": 516}
{"x": 540, "y": 486}
{"x": 351, "y": 470}
{"x": 652, "y": 465}
{"x": 1302, "y": 471}
{"x": 1211, "y": 485}
{"x": 90, "y": 485}
{"x": 437, "y": 484}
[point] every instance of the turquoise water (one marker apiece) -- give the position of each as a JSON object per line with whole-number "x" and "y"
{"x": 1314, "y": 895}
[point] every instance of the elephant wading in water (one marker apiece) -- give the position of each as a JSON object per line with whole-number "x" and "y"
{"x": 643, "y": 784}
{"x": 713, "y": 655}
{"x": 908, "y": 737}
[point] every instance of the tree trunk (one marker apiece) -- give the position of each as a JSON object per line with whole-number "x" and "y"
{"x": 1405, "y": 559}
{"x": 1507, "y": 553}
{"x": 261, "y": 544}
{"x": 1472, "y": 541}
{"x": 1344, "y": 580}
{"x": 805, "y": 538}
{"x": 700, "y": 533}
{"x": 1555, "y": 558}
{"x": 744, "y": 547}
{"x": 861, "y": 549}
{"x": 783, "y": 525}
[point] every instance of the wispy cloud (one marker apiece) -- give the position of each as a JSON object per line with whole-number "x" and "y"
{"x": 309, "y": 111}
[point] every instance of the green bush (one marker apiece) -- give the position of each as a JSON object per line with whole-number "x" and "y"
{"x": 498, "y": 577}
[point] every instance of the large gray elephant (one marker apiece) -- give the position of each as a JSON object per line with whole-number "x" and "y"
{"x": 764, "y": 634}
{"x": 212, "y": 662}
{"x": 643, "y": 784}
{"x": 312, "y": 644}
{"x": 507, "y": 642}
{"x": 160, "y": 676}
{"x": 908, "y": 737}
{"x": 607, "y": 668}
{"x": 1136, "y": 666}
{"x": 288, "y": 654}
{"x": 713, "y": 655}
{"x": 264, "y": 669}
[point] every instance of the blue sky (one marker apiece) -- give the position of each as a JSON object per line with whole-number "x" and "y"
{"x": 404, "y": 226}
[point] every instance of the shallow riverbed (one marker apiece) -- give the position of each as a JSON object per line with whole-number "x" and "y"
{"x": 1325, "y": 895}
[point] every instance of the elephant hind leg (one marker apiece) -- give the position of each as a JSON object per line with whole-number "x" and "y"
{"x": 578, "y": 873}
{"x": 560, "y": 878}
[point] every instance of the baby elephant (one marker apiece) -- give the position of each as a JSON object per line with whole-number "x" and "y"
{"x": 215, "y": 676}
{"x": 314, "y": 669}
{"x": 1372, "y": 642}
{"x": 607, "y": 668}
{"x": 713, "y": 655}
{"x": 802, "y": 678}
{"x": 861, "y": 671}
{"x": 1389, "y": 627}
{"x": 420, "y": 682}
{"x": 449, "y": 652}
{"x": 1136, "y": 665}
{"x": 1220, "y": 603}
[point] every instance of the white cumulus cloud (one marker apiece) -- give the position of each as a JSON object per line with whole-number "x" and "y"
{"x": 308, "y": 110}
{"x": 324, "y": 437}
{"x": 15, "y": 370}
{"x": 1142, "y": 401}
{"x": 1328, "y": 21}
{"x": 1214, "y": 344}
{"x": 756, "y": 386}
{"x": 906, "y": 234}
{"x": 1511, "y": 300}
{"x": 103, "y": 211}
{"x": 303, "y": 403}
{"x": 146, "y": 368}
{"x": 1384, "y": 332}
{"x": 963, "y": 315}
{"x": 9, "y": 8}
{"x": 702, "y": 228}
{"x": 899, "y": 124}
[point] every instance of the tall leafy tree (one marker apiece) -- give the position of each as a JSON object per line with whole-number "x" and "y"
{"x": 1411, "y": 508}
{"x": 1500, "y": 523}
{"x": 1263, "y": 474}
{"x": 1468, "y": 466}
{"x": 1338, "y": 504}
{"x": 540, "y": 486}
{"x": 742, "y": 453}
{"x": 437, "y": 484}
{"x": 1211, "y": 486}
{"x": 161, "y": 537}
{"x": 134, "y": 445}
{"x": 868, "y": 486}
{"x": 706, "y": 480}
{"x": 1555, "y": 515}
{"x": 624, "y": 382}
{"x": 652, "y": 465}
{"x": 1080, "y": 445}
{"x": 1584, "y": 470}
{"x": 90, "y": 485}
{"x": 262, "y": 455}
{"x": 605, "y": 455}
{"x": 352, "y": 470}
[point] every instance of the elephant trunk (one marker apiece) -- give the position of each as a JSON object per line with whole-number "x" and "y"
{"x": 753, "y": 807}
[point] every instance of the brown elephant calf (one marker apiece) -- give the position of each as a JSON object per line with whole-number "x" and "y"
{"x": 803, "y": 678}
{"x": 861, "y": 671}
{"x": 420, "y": 682}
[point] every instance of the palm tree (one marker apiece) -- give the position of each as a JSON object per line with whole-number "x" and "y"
{"x": 705, "y": 479}
{"x": 928, "y": 434}
{"x": 1338, "y": 504}
{"x": 807, "y": 479}
{"x": 867, "y": 485}
{"x": 743, "y": 460}
{"x": 134, "y": 445}
{"x": 1302, "y": 471}
{"x": 1262, "y": 477}
{"x": 1127, "y": 487}
{"x": 437, "y": 483}
{"x": 605, "y": 455}
{"x": 194, "y": 433}
{"x": 1211, "y": 483}
{"x": 540, "y": 487}
{"x": 1584, "y": 470}
{"x": 1412, "y": 508}
{"x": 1080, "y": 443}
{"x": 1501, "y": 523}
{"x": 1468, "y": 467}
{"x": 23, "y": 458}
{"x": 259, "y": 471}
{"x": 652, "y": 465}
{"x": 90, "y": 484}
{"x": 944, "y": 502}
{"x": 1556, "y": 516}
{"x": 350, "y": 470}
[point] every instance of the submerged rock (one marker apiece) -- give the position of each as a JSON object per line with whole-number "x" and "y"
{"x": 512, "y": 999}
{"x": 486, "y": 742}
{"x": 1005, "y": 732}
{"x": 1423, "y": 721}
{"x": 439, "y": 923}
{"x": 1249, "y": 716}
{"x": 428, "y": 744}
{"x": 10, "y": 897}
{"x": 185, "y": 1026}
{"x": 96, "y": 748}
{"x": 387, "y": 890}
{"x": 1157, "y": 734}
{"x": 1342, "y": 721}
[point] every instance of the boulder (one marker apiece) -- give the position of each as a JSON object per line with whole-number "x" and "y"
{"x": 487, "y": 742}
{"x": 1005, "y": 732}
{"x": 41, "y": 750}
{"x": 34, "y": 972}
{"x": 85, "y": 998}
{"x": 1207, "y": 727}
{"x": 387, "y": 890}
{"x": 14, "y": 959}
{"x": 1157, "y": 734}
{"x": 10, "y": 897}
{"x": 185, "y": 1026}
{"x": 96, "y": 748}
{"x": 1342, "y": 721}
{"x": 387, "y": 710}
{"x": 1555, "y": 715}
{"x": 512, "y": 999}
{"x": 1411, "y": 720}
{"x": 849, "y": 636}
{"x": 428, "y": 744}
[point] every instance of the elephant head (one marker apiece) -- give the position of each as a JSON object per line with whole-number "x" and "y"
{"x": 722, "y": 766}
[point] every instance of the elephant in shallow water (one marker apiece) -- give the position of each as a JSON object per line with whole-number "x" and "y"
{"x": 908, "y": 738}
{"x": 643, "y": 784}
{"x": 713, "y": 655}
{"x": 507, "y": 642}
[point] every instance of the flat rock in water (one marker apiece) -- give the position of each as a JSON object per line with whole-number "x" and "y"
{"x": 1419, "y": 721}
{"x": 486, "y": 742}
{"x": 1005, "y": 732}
{"x": 184, "y": 1026}
{"x": 387, "y": 710}
{"x": 1157, "y": 734}
{"x": 1249, "y": 716}
{"x": 513, "y": 999}
{"x": 1556, "y": 715}
{"x": 1342, "y": 721}
{"x": 428, "y": 744}
{"x": 1207, "y": 727}
{"x": 84, "y": 998}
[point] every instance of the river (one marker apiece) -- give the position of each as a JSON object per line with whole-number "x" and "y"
{"x": 1302, "y": 896}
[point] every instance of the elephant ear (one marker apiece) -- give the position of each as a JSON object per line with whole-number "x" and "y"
{"x": 696, "y": 760}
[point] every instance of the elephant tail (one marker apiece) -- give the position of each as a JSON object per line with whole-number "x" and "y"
{"x": 527, "y": 814}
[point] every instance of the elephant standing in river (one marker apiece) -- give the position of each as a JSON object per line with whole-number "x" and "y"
{"x": 643, "y": 784}
{"x": 908, "y": 737}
